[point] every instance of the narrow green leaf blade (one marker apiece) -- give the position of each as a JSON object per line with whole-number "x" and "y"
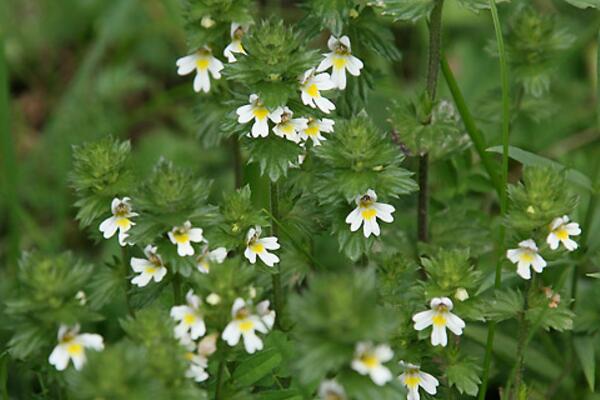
{"x": 584, "y": 347}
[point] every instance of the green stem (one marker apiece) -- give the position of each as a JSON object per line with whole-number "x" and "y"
{"x": 125, "y": 262}
{"x": 8, "y": 164}
{"x": 238, "y": 170}
{"x": 433, "y": 68}
{"x": 176, "y": 283}
{"x": 472, "y": 130}
{"x": 220, "y": 381}
{"x": 278, "y": 301}
{"x": 503, "y": 187}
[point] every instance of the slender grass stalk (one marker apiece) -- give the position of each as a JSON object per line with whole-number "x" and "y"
{"x": 176, "y": 283}
{"x": 8, "y": 167}
{"x": 220, "y": 380}
{"x": 433, "y": 68}
{"x": 278, "y": 300}
{"x": 472, "y": 130}
{"x": 503, "y": 187}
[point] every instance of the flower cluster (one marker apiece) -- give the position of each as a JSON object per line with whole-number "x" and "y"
{"x": 527, "y": 256}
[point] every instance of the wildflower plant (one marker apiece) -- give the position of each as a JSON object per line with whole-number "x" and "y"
{"x": 371, "y": 245}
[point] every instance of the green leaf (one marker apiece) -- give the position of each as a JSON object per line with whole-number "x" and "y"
{"x": 408, "y": 10}
{"x": 477, "y": 5}
{"x": 584, "y": 348}
{"x": 283, "y": 394}
{"x": 584, "y": 3}
{"x": 273, "y": 155}
{"x": 529, "y": 159}
{"x": 465, "y": 376}
{"x": 505, "y": 305}
{"x": 256, "y": 367}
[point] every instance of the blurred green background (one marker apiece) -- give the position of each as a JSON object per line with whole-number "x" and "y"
{"x": 75, "y": 70}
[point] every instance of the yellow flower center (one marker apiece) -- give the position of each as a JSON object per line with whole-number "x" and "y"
{"x": 181, "y": 237}
{"x": 287, "y": 128}
{"x": 312, "y": 90}
{"x": 338, "y": 62}
{"x": 238, "y": 46}
{"x": 260, "y": 113}
{"x": 257, "y": 247}
{"x": 202, "y": 64}
{"x": 74, "y": 349}
{"x": 123, "y": 223}
{"x": 411, "y": 381}
{"x": 189, "y": 356}
{"x": 246, "y": 325}
{"x": 439, "y": 320}
{"x": 369, "y": 360}
{"x": 561, "y": 233}
{"x": 368, "y": 213}
{"x": 526, "y": 256}
{"x": 312, "y": 130}
{"x": 151, "y": 270}
{"x": 189, "y": 319}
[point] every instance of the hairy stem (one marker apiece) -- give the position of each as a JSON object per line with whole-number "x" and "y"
{"x": 220, "y": 381}
{"x": 276, "y": 277}
{"x": 503, "y": 186}
{"x": 176, "y": 283}
{"x": 125, "y": 262}
{"x": 433, "y": 68}
{"x": 237, "y": 162}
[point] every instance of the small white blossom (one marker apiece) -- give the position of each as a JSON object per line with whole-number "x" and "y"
{"x": 199, "y": 360}
{"x": 120, "y": 220}
{"x": 266, "y": 315}
{"x": 260, "y": 114}
{"x": 207, "y": 22}
{"x": 202, "y": 62}
{"x": 151, "y": 267}
{"x": 526, "y": 257}
{"x": 189, "y": 317}
{"x": 310, "y": 86}
{"x": 413, "y": 377}
{"x": 71, "y": 346}
{"x": 461, "y": 294}
{"x": 81, "y": 297}
{"x": 331, "y": 390}
{"x": 207, "y": 258}
{"x": 560, "y": 230}
{"x": 440, "y": 317}
{"x": 237, "y": 32}
{"x": 340, "y": 59}
{"x": 369, "y": 359}
{"x": 213, "y": 299}
{"x": 244, "y": 324}
{"x": 257, "y": 246}
{"x": 366, "y": 213}
{"x": 315, "y": 127}
{"x": 289, "y": 128}
{"x": 183, "y": 236}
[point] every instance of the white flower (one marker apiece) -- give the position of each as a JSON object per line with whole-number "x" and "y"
{"x": 237, "y": 32}
{"x": 260, "y": 114}
{"x": 81, "y": 297}
{"x": 310, "y": 86}
{"x": 440, "y": 317}
{"x": 203, "y": 62}
{"x": 213, "y": 299}
{"x": 340, "y": 59}
{"x": 189, "y": 317}
{"x": 71, "y": 346}
{"x": 288, "y": 127}
{"x": 367, "y": 212}
{"x": 368, "y": 360}
{"x": 526, "y": 257}
{"x": 207, "y": 258}
{"x": 244, "y": 324}
{"x": 151, "y": 267}
{"x": 257, "y": 246}
{"x": 461, "y": 294}
{"x": 314, "y": 129}
{"x": 182, "y": 236}
{"x": 266, "y": 315}
{"x": 121, "y": 220}
{"x": 199, "y": 360}
{"x": 331, "y": 390}
{"x": 560, "y": 230}
{"x": 413, "y": 377}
